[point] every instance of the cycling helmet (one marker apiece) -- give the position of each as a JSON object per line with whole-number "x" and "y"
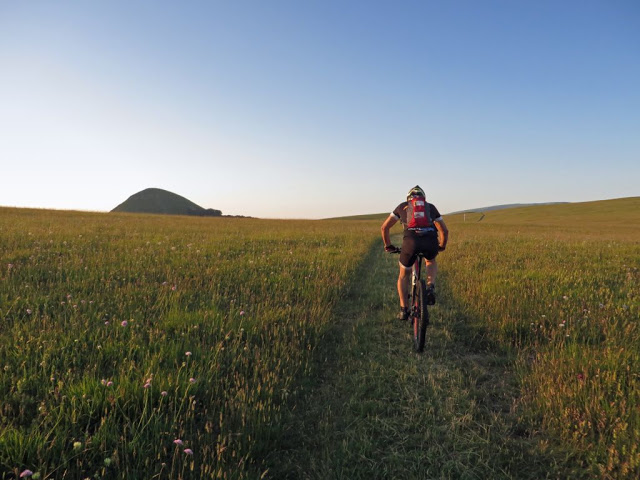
{"x": 415, "y": 192}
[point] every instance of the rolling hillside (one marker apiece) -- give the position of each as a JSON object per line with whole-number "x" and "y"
{"x": 598, "y": 214}
{"x": 600, "y": 210}
{"x": 184, "y": 362}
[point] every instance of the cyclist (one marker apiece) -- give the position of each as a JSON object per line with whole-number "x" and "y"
{"x": 429, "y": 240}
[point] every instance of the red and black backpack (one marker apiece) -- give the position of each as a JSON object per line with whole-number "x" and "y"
{"x": 418, "y": 215}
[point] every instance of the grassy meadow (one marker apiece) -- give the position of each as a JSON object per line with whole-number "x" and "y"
{"x": 560, "y": 287}
{"x": 158, "y": 347}
{"x": 140, "y": 346}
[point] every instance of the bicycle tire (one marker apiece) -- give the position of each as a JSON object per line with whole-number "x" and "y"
{"x": 420, "y": 318}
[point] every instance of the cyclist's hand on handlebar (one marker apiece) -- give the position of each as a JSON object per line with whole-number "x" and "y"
{"x": 391, "y": 249}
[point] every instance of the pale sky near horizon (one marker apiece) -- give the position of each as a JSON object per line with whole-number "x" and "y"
{"x": 289, "y": 109}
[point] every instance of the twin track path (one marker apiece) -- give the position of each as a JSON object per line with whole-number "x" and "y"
{"x": 377, "y": 410}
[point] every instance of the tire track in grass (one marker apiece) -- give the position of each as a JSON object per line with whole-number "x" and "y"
{"x": 377, "y": 410}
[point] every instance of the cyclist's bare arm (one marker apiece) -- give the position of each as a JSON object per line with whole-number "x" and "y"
{"x": 443, "y": 233}
{"x": 386, "y": 226}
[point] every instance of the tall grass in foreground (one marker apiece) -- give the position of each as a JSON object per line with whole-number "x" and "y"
{"x": 562, "y": 286}
{"x": 158, "y": 347}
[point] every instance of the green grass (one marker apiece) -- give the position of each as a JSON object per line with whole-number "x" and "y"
{"x": 380, "y": 411}
{"x": 560, "y": 286}
{"x": 531, "y": 370}
{"x": 246, "y": 298}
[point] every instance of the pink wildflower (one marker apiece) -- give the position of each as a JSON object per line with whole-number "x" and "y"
{"x": 188, "y": 354}
{"x": 147, "y": 385}
{"x": 26, "y": 473}
{"x": 164, "y": 393}
{"x": 177, "y": 441}
{"x": 109, "y": 383}
{"x": 192, "y": 380}
{"x": 124, "y": 323}
{"x": 241, "y": 312}
{"x": 188, "y": 451}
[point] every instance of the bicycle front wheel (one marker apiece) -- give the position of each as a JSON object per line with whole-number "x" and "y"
{"x": 420, "y": 318}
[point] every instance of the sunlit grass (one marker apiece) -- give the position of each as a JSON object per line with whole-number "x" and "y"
{"x": 170, "y": 347}
{"x": 565, "y": 294}
{"x": 157, "y": 347}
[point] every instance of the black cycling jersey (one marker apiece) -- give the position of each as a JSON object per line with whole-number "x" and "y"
{"x": 414, "y": 242}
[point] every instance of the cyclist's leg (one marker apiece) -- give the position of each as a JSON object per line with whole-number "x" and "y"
{"x": 431, "y": 270}
{"x": 407, "y": 258}
{"x": 429, "y": 248}
{"x": 403, "y": 285}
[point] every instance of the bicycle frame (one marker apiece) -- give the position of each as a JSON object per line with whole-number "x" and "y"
{"x": 419, "y": 314}
{"x": 416, "y": 272}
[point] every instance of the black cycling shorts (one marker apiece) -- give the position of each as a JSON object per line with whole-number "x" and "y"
{"x": 413, "y": 244}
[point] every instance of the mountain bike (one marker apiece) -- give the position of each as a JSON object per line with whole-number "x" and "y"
{"x": 418, "y": 313}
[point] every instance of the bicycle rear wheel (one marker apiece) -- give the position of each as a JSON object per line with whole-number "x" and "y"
{"x": 420, "y": 316}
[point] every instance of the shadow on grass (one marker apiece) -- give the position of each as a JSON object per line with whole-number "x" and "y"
{"x": 300, "y": 450}
{"x": 520, "y": 449}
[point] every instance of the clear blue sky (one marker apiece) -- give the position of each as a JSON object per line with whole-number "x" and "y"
{"x": 312, "y": 109}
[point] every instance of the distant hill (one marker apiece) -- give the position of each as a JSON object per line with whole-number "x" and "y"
{"x": 618, "y": 214}
{"x": 382, "y": 216}
{"x": 509, "y": 205}
{"x": 156, "y": 200}
{"x": 371, "y": 216}
{"x": 513, "y": 208}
